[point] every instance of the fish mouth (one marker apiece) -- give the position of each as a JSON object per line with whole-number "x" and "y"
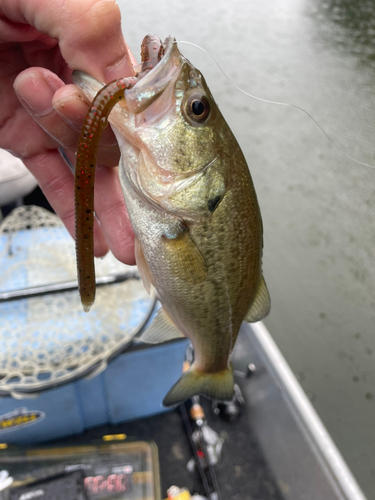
{"x": 149, "y": 87}
{"x": 141, "y": 96}
{"x": 153, "y": 84}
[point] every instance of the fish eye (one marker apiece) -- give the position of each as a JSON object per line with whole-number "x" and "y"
{"x": 197, "y": 108}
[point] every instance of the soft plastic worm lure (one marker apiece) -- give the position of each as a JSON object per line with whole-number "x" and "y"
{"x": 92, "y": 129}
{"x": 95, "y": 123}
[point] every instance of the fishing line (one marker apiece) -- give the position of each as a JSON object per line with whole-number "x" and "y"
{"x": 285, "y": 104}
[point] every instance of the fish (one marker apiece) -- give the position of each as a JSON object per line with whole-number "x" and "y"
{"x": 193, "y": 208}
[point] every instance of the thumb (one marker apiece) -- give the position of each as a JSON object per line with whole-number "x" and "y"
{"x": 88, "y": 31}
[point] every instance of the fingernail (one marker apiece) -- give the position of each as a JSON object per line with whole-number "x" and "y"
{"x": 35, "y": 92}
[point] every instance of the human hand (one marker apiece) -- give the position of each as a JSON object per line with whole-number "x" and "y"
{"x": 42, "y": 41}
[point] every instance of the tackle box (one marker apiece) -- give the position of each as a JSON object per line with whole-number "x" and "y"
{"x": 108, "y": 471}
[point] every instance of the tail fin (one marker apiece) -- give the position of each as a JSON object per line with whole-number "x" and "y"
{"x": 193, "y": 383}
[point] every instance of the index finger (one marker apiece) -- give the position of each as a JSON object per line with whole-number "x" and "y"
{"x": 88, "y": 31}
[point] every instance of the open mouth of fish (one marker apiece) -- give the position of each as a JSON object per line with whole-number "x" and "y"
{"x": 148, "y": 87}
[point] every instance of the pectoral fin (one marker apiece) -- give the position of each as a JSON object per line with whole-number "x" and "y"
{"x": 184, "y": 258}
{"x": 143, "y": 268}
{"x": 261, "y": 305}
{"x": 161, "y": 330}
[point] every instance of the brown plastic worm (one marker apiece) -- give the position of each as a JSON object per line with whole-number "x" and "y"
{"x": 151, "y": 52}
{"x": 95, "y": 123}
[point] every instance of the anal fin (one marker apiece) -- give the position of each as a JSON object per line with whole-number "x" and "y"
{"x": 261, "y": 305}
{"x": 161, "y": 330}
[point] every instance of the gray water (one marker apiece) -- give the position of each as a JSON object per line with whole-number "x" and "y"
{"x": 318, "y": 206}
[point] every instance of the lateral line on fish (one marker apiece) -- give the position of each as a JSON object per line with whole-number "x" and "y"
{"x": 279, "y": 103}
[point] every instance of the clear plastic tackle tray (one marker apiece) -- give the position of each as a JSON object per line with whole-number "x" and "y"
{"x": 121, "y": 471}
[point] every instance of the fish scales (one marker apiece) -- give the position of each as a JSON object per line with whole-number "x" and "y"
{"x": 214, "y": 308}
{"x": 196, "y": 218}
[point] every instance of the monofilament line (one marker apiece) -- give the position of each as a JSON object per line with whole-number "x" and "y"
{"x": 281, "y": 104}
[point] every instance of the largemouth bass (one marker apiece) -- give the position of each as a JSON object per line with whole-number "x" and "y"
{"x": 192, "y": 205}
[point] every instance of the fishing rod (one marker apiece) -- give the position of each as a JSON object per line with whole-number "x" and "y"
{"x": 208, "y": 473}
